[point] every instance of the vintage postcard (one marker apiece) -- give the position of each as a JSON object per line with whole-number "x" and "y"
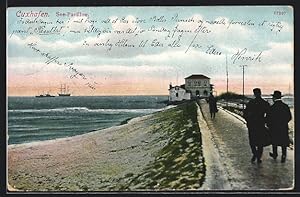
{"x": 150, "y": 98}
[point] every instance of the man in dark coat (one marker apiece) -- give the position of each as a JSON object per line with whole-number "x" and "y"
{"x": 212, "y": 105}
{"x": 277, "y": 120}
{"x": 255, "y": 115}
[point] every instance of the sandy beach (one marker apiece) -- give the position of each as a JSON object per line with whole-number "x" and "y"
{"x": 160, "y": 151}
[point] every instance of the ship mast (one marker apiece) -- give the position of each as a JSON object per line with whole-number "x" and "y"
{"x": 67, "y": 89}
{"x": 61, "y": 88}
{"x": 64, "y": 89}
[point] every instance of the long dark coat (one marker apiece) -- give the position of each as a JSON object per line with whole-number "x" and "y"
{"x": 255, "y": 115}
{"x": 277, "y": 121}
{"x": 212, "y": 104}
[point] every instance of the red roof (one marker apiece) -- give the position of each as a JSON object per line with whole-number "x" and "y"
{"x": 197, "y": 77}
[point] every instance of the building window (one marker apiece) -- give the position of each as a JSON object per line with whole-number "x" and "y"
{"x": 197, "y": 92}
{"x": 189, "y": 83}
{"x": 176, "y": 94}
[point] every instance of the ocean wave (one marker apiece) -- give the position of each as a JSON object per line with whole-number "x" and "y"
{"x": 24, "y": 129}
{"x": 84, "y": 109}
{"x": 16, "y": 118}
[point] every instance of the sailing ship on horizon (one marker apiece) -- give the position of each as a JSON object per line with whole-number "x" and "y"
{"x": 64, "y": 90}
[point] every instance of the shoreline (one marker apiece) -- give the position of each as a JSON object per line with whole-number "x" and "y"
{"x": 131, "y": 157}
{"x": 125, "y": 122}
{"x": 50, "y": 141}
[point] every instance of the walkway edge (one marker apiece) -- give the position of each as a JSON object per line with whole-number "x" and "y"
{"x": 234, "y": 114}
{"x": 215, "y": 177}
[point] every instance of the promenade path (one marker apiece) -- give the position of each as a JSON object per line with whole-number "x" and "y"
{"x": 229, "y": 136}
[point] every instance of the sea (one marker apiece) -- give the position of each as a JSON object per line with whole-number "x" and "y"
{"x": 33, "y": 119}
{"x": 289, "y": 100}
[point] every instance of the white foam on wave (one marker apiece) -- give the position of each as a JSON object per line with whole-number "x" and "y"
{"x": 24, "y": 128}
{"x": 85, "y": 109}
{"x": 64, "y": 109}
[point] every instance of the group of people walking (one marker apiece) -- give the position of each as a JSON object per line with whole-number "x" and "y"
{"x": 267, "y": 125}
{"x": 264, "y": 120}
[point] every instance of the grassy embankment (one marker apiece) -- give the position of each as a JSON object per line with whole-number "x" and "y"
{"x": 180, "y": 164}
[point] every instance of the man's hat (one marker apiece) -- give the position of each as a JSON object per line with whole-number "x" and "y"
{"x": 276, "y": 94}
{"x": 256, "y": 90}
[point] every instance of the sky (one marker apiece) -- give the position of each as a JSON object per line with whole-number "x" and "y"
{"x": 149, "y": 70}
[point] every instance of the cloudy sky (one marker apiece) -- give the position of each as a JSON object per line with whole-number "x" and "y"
{"x": 264, "y": 33}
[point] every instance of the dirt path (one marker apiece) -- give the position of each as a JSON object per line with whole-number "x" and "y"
{"x": 230, "y": 136}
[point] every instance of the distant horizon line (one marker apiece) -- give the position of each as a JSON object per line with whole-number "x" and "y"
{"x": 131, "y": 95}
{"x": 93, "y": 95}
